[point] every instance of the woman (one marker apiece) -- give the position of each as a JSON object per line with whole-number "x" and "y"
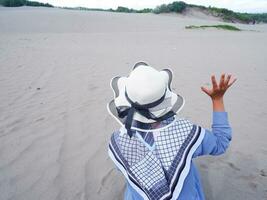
{"x": 154, "y": 148}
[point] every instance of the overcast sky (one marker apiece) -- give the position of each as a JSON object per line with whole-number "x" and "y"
{"x": 236, "y": 5}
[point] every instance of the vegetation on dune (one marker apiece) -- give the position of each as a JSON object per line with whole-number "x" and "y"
{"x": 229, "y": 15}
{"x": 119, "y": 9}
{"x": 130, "y": 10}
{"x": 17, "y": 3}
{"x": 225, "y": 14}
{"x": 12, "y": 3}
{"x": 35, "y": 3}
{"x": 177, "y": 6}
{"x": 223, "y": 26}
{"x": 174, "y": 7}
{"x": 85, "y": 9}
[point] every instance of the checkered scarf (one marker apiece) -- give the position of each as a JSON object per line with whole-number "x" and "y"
{"x": 156, "y": 162}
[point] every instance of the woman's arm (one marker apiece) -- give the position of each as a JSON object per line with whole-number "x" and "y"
{"x": 217, "y": 140}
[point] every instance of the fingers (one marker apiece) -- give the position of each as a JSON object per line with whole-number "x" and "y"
{"x": 225, "y": 83}
{"x": 205, "y": 90}
{"x": 214, "y": 83}
{"x": 231, "y": 83}
{"x": 222, "y": 84}
{"x": 228, "y": 79}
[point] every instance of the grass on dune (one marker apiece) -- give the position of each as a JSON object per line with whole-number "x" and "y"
{"x": 174, "y": 7}
{"x": 223, "y": 26}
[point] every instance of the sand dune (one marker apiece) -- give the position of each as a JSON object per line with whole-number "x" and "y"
{"x": 55, "y": 68}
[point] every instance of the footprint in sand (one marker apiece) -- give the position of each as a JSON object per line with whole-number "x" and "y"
{"x": 263, "y": 173}
{"x": 233, "y": 166}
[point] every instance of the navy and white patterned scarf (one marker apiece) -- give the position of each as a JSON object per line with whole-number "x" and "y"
{"x": 156, "y": 162}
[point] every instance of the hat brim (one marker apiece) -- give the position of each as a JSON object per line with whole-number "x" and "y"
{"x": 174, "y": 101}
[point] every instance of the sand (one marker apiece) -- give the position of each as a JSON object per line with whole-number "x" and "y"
{"x": 55, "y": 68}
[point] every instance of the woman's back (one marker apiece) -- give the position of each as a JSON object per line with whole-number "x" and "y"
{"x": 154, "y": 148}
{"x": 215, "y": 142}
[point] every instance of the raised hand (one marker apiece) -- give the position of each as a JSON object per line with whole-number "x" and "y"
{"x": 217, "y": 91}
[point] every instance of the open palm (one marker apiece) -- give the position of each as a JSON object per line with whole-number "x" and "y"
{"x": 217, "y": 91}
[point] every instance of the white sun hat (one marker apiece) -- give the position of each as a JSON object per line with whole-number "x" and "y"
{"x": 145, "y": 95}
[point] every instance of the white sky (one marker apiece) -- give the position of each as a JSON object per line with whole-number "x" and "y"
{"x": 236, "y": 5}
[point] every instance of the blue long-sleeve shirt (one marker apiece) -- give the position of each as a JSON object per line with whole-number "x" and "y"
{"x": 215, "y": 142}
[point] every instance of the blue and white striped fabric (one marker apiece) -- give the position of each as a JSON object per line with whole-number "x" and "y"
{"x": 156, "y": 161}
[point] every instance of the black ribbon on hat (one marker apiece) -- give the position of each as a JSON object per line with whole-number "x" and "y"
{"x": 143, "y": 110}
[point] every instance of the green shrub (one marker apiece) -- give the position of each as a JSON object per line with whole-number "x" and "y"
{"x": 145, "y": 10}
{"x": 35, "y": 3}
{"x": 124, "y": 9}
{"x": 13, "y": 3}
{"x": 162, "y": 9}
{"x": 177, "y": 6}
{"x": 222, "y": 26}
{"x": 16, "y": 3}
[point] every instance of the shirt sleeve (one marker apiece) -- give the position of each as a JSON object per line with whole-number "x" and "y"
{"x": 216, "y": 141}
